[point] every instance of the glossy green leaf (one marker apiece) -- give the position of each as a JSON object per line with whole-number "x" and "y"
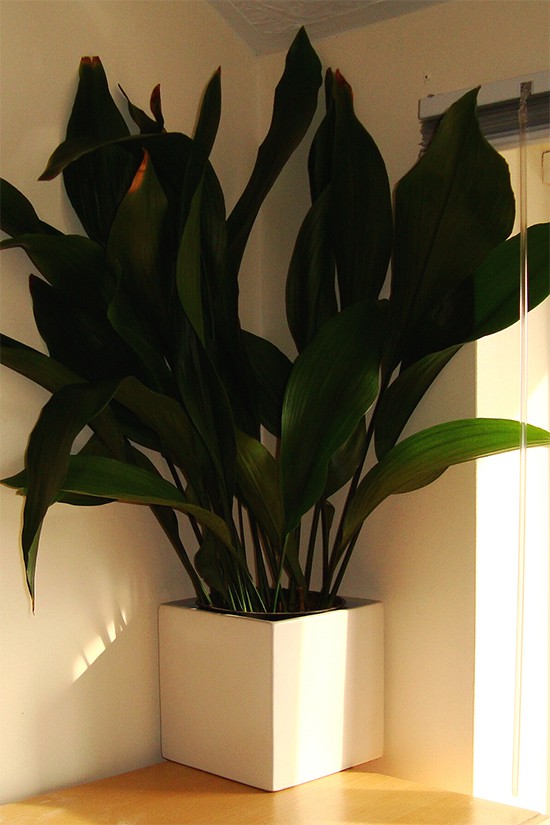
{"x": 310, "y": 287}
{"x": 258, "y": 482}
{"x": 146, "y": 124}
{"x": 189, "y": 269}
{"x": 137, "y": 253}
{"x": 453, "y": 207}
{"x": 404, "y": 394}
{"x": 97, "y": 182}
{"x": 421, "y": 457}
{"x": 169, "y": 421}
{"x": 19, "y": 482}
{"x": 72, "y": 264}
{"x": 47, "y": 457}
{"x": 17, "y": 215}
{"x": 50, "y": 374}
{"x": 488, "y": 300}
{"x": 203, "y": 141}
{"x": 81, "y": 338}
{"x": 136, "y": 247}
{"x": 360, "y": 204}
{"x": 108, "y": 478}
{"x": 42, "y": 369}
{"x": 293, "y": 109}
{"x": 207, "y": 405}
{"x": 271, "y": 368}
{"x": 341, "y": 363}
{"x": 321, "y": 152}
{"x": 346, "y": 460}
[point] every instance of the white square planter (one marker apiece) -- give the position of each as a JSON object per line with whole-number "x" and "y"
{"x": 271, "y": 703}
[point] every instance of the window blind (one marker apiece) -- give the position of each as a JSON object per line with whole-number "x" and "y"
{"x": 498, "y": 105}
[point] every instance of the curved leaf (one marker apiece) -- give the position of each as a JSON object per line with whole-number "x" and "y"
{"x": 96, "y": 184}
{"x": 360, "y": 204}
{"x": 488, "y": 300}
{"x": 258, "y": 481}
{"x": 293, "y": 109}
{"x": 271, "y": 368}
{"x": 80, "y": 338}
{"x": 109, "y": 478}
{"x": 167, "y": 418}
{"x": 340, "y": 365}
{"x": 345, "y": 461}
{"x": 310, "y": 288}
{"x": 453, "y": 207}
{"x": 419, "y": 459}
{"x": 42, "y": 369}
{"x": 403, "y": 395}
{"x": 47, "y": 457}
{"x": 145, "y": 124}
{"x": 17, "y": 215}
{"x": 75, "y": 266}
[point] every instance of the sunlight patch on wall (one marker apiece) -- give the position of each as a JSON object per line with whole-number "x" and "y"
{"x": 98, "y": 644}
{"x": 497, "y": 541}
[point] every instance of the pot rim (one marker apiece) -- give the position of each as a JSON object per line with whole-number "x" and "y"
{"x": 339, "y": 604}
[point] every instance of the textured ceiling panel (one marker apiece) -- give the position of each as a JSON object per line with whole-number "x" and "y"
{"x": 275, "y": 18}
{"x": 268, "y": 25}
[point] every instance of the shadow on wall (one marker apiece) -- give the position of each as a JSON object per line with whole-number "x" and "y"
{"x": 92, "y": 724}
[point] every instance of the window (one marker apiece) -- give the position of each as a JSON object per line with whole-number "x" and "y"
{"x": 512, "y": 686}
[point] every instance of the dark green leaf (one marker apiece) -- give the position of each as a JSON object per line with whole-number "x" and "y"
{"x": 403, "y": 395}
{"x": 47, "y": 457}
{"x": 206, "y": 403}
{"x": 17, "y": 214}
{"x": 188, "y": 267}
{"x": 203, "y": 141}
{"x": 141, "y": 119}
{"x": 451, "y": 210}
{"x": 360, "y": 204}
{"x": 72, "y": 264}
{"x": 293, "y": 109}
{"x": 40, "y": 368}
{"x": 108, "y": 478}
{"x": 422, "y": 457}
{"x": 322, "y": 146}
{"x": 346, "y": 460}
{"x": 495, "y": 284}
{"x": 97, "y": 183}
{"x": 50, "y": 374}
{"x": 258, "y": 481}
{"x": 488, "y": 300}
{"x": 333, "y": 383}
{"x": 166, "y": 417}
{"x": 82, "y": 339}
{"x": 271, "y": 369}
{"x": 310, "y": 287}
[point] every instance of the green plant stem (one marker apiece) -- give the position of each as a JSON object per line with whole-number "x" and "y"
{"x": 176, "y": 542}
{"x": 311, "y": 544}
{"x": 336, "y": 552}
{"x": 325, "y": 533}
{"x": 277, "y": 593}
{"x": 343, "y": 567}
{"x": 261, "y": 573}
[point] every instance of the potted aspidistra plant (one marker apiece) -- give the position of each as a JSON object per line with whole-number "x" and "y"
{"x": 140, "y": 318}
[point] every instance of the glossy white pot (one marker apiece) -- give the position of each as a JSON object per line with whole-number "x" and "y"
{"x": 271, "y": 703}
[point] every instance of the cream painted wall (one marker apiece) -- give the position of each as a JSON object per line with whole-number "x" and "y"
{"x": 417, "y": 552}
{"x": 78, "y": 680}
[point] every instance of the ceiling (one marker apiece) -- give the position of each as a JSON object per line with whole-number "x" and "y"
{"x": 269, "y": 25}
